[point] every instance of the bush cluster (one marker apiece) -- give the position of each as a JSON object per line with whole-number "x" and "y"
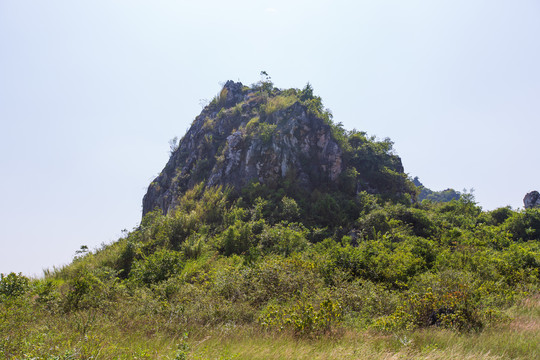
{"x": 219, "y": 259}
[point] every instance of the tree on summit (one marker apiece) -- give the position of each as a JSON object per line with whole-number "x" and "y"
{"x": 266, "y": 82}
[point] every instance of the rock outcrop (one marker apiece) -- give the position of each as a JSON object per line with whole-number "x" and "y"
{"x": 251, "y": 135}
{"x": 531, "y": 200}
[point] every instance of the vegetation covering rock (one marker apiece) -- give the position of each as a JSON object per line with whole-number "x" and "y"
{"x": 325, "y": 238}
{"x": 279, "y": 139}
{"x": 436, "y": 196}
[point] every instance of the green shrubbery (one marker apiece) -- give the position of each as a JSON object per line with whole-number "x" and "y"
{"x": 218, "y": 259}
{"x": 13, "y": 285}
{"x": 156, "y": 267}
{"x": 302, "y": 317}
{"x": 221, "y": 262}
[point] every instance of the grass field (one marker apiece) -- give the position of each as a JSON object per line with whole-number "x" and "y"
{"x": 88, "y": 334}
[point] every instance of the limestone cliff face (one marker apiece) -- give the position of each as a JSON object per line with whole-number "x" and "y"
{"x": 249, "y": 135}
{"x": 231, "y": 144}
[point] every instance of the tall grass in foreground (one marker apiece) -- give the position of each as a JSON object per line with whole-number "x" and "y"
{"x": 130, "y": 331}
{"x": 518, "y": 339}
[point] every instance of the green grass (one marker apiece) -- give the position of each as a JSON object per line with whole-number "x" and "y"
{"x": 280, "y": 102}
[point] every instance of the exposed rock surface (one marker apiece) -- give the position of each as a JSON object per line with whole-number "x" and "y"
{"x": 532, "y": 199}
{"x": 246, "y": 135}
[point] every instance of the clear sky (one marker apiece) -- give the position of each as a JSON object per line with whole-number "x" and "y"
{"x": 91, "y": 92}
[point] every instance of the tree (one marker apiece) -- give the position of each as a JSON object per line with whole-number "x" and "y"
{"x": 307, "y": 92}
{"x": 173, "y": 145}
{"x": 266, "y": 82}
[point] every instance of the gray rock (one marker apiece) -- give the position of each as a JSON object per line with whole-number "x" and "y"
{"x": 234, "y": 141}
{"x": 531, "y": 200}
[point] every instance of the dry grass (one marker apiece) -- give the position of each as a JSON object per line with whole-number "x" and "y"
{"x": 502, "y": 343}
{"x": 518, "y": 339}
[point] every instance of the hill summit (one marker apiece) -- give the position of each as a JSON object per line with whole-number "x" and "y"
{"x": 279, "y": 139}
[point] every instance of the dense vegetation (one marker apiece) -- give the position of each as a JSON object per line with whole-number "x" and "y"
{"x": 437, "y": 196}
{"x": 279, "y": 265}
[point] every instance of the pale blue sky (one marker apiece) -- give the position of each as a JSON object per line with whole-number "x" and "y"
{"x": 91, "y": 92}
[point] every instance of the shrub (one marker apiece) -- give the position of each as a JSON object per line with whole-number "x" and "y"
{"x": 125, "y": 259}
{"x": 193, "y": 246}
{"x": 156, "y": 267}
{"x": 499, "y": 216}
{"x": 302, "y": 317}
{"x": 237, "y": 239}
{"x": 448, "y": 299}
{"x": 284, "y": 239}
{"x": 450, "y": 310}
{"x": 266, "y": 132}
{"x": 325, "y": 210}
{"x": 289, "y": 209}
{"x": 48, "y": 294}
{"x": 84, "y": 290}
{"x": 13, "y": 285}
{"x": 252, "y": 125}
{"x": 524, "y": 225}
{"x": 520, "y": 263}
{"x": 377, "y": 261}
{"x": 364, "y": 299}
{"x": 282, "y": 279}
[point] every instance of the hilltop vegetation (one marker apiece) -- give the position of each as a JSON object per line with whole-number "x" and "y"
{"x": 283, "y": 140}
{"x": 437, "y": 196}
{"x": 347, "y": 267}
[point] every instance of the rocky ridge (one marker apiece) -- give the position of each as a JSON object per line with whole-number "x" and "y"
{"x": 253, "y": 134}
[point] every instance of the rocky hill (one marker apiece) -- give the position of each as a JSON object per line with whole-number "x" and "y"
{"x": 265, "y": 135}
{"x": 280, "y": 229}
